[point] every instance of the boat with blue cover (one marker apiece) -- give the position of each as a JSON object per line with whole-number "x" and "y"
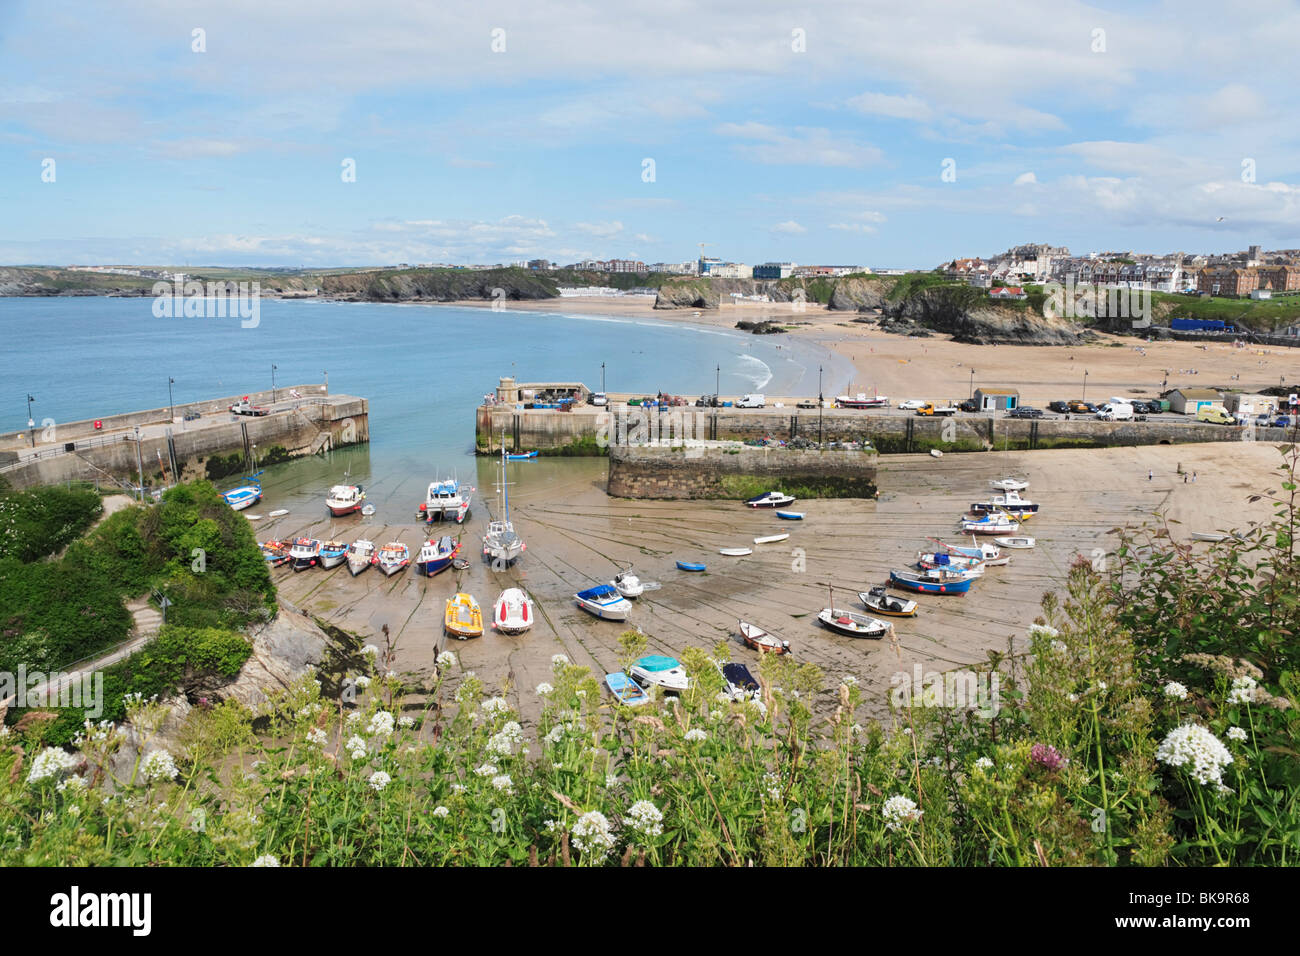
{"x": 661, "y": 671}
{"x": 790, "y": 515}
{"x": 245, "y": 496}
{"x": 943, "y": 582}
{"x": 604, "y": 602}
{"x": 523, "y": 456}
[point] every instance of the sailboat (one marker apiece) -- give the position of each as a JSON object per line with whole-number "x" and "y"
{"x": 501, "y": 544}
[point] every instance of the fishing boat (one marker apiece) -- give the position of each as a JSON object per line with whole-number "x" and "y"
{"x": 436, "y": 556}
{"x": 852, "y": 624}
{"x": 763, "y": 641}
{"x": 790, "y": 515}
{"x": 1008, "y": 484}
{"x": 333, "y": 553}
{"x": 990, "y": 524}
{"x": 735, "y": 552}
{"x": 513, "y": 612}
{"x": 770, "y": 499}
{"x": 463, "y": 619}
{"x": 345, "y": 500}
{"x": 625, "y": 690}
{"x": 604, "y": 602}
{"x": 1020, "y": 542}
{"x": 691, "y": 566}
{"x": 393, "y": 557}
{"x": 661, "y": 671}
{"x": 861, "y": 400}
{"x": 882, "y": 602}
{"x": 738, "y": 682}
{"x": 628, "y": 584}
{"x": 1009, "y": 502}
{"x": 361, "y": 556}
{"x": 245, "y": 496}
{"x": 989, "y": 554}
{"x": 446, "y": 499}
{"x": 275, "y": 552}
{"x": 305, "y": 553}
{"x": 771, "y": 538}
{"x": 942, "y": 560}
{"x": 522, "y": 456}
{"x": 924, "y": 583}
{"x": 501, "y": 545}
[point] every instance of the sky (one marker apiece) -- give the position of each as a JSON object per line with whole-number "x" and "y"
{"x": 845, "y": 132}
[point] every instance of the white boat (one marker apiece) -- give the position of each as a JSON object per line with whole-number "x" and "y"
{"x": 513, "y": 612}
{"x": 393, "y": 557}
{"x": 501, "y": 544}
{"x": 361, "y": 556}
{"x": 735, "y": 552}
{"x": 1010, "y": 501}
{"x": 446, "y": 499}
{"x": 245, "y": 496}
{"x": 1209, "y": 536}
{"x": 333, "y": 553}
{"x": 368, "y": 510}
{"x": 1021, "y": 542}
{"x": 882, "y": 602}
{"x": 628, "y": 584}
{"x": 305, "y": 553}
{"x": 942, "y": 560}
{"x": 1008, "y": 484}
{"x": 989, "y": 554}
{"x": 344, "y": 500}
{"x": 278, "y": 513}
{"x": 604, "y": 602}
{"x": 862, "y": 400}
{"x": 852, "y": 624}
{"x": 660, "y": 671}
{"x": 771, "y": 538}
{"x": 770, "y": 499}
{"x": 761, "y": 640}
{"x": 990, "y": 524}
{"x": 935, "y": 453}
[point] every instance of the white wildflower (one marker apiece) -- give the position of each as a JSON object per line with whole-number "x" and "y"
{"x": 591, "y": 834}
{"x": 370, "y": 651}
{"x": 1243, "y": 690}
{"x": 317, "y": 736}
{"x": 544, "y": 689}
{"x": 159, "y": 765}
{"x": 356, "y": 747}
{"x": 379, "y": 780}
{"x": 644, "y": 817}
{"x": 504, "y": 783}
{"x": 1192, "y": 744}
{"x": 559, "y": 661}
{"x": 1175, "y": 690}
{"x": 899, "y": 810}
{"x": 504, "y": 741}
{"x": 1043, "y": 630}
{"x": 51, "y": 762}
{"x": 406, "y": 721}
{"x": 362, "y": 682}
{"x": 1236, "y": 733}
{"x": 611, "y": 781}
{"x": 983, "y": 763}
{"x": 485, "y": 770}
{"x": 74, "y": 783}
{"x": 446, "y": 659}
{"x": 1060, "y": 647}
{"x": 266, "y": 859}
{"x": 440, "y": 811}
{"x": 381, "y": 724}
{"x": 495, "y": 705}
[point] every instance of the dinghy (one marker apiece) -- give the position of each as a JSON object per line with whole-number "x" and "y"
{"x": 739, "y": 683}
{"x": 361, "y": 556}
{"x": 253, "y": 517}
{"x": 790, "y": 515}
{"x": 1209, "y": 536}
{"x": 368, "y": 510}
{"x": 660, "y": 671}
{"x": 436, "y": 557}
{"x": 771, "y": 538}
{"x": 523, "y": 456}
{"x": 513, "y": 612}
{"x": 278, "y": 512}
{"x": 604, "y": 602}
{"x": 393, "y": 557}
{"x": 625, "y": 690}
{"x": 305, "y": 553}
{"x": 763, "y": 641}
{"x": 735, "y": 552}
{"x": 463, "y": 619}
{"x": 990, "y": 524}
{"x": 245, "y": 496}
{"x": 851, "y": 624}
{"x": 923, "y": 583}
{"x": 770, "y": 499}
{"x": 332, "y": 553}
{"x": 459, "y": 564}
{"x": 691, "y": 566}
{"x": 882, "y": 602}
{"x": 1008, "y": 484}
{"x": 1019, "y": 542}
{"x": 628, "y": 584}
{"x": 935, "y": 453}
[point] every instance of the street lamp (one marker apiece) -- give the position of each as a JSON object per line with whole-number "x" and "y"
{"x": 972, "y": 384}
{"x": 602, "y": 378}
{"x": 1084, "y": 396}
{"x": 170, "y": 398}
{"x": 31, "y": 422}
{"x": 326, "y": 373}
{"x": 139, "y": 460}
{"x": 717, "y": 386}
{"x": 273, "y": 367}
{"x": 821, "y": 402}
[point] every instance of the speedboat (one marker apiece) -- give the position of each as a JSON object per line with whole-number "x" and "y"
{"x": 761, "y": 640}
{"x": 625, "y": 690}
{"x": 332, "y": 553}
{"x": 660, "y": 671}
{"x": 245, "y": 496}
{"x": 770, "y": 499}
{"x": 305, "y": 553}
{"x": 852, "y": 624}
{"x": 604, "y": 602}
{"x": 931, "y": 582}
{"x": 882, "y": 602}
{"x": 513, "y": 612}
{"x": 275, "y": 552}
{"x": 446, "y": 499}
{"x": 436, "y": 557}
{"x": 393, "y": 557}
{"x": 361, "y": 556}
{"x": 463, "y": 618}
{"x": 344, "y": 500}
{"x": 628, "y": 584}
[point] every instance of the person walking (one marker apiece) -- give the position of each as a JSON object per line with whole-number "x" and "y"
{"x": 1193, "y": 477}
{"x": 1150, "y": 475}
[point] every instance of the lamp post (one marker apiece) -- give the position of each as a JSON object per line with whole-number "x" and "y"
{"x": 139, "y": 460}
{"x": 717, "y": 386}
{"x": 273, "y": 368}
{"x": 1084, "y": 396}
{"x": 972, "y": 384}
{"x": 171, "y": 400}
{"x": 31, "y": 422}
{"x": 821, "y": 401}
{"x": 326, "y": 373}
{"x": 602, "y": 378}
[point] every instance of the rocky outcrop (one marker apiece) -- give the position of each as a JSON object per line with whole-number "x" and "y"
{"x": 694, "y": 294}
{"x": 968, "y": 316}
{"x": 439, "y": 285}
{"x": 284, "y": 650}
{"x": 858, "y": 295}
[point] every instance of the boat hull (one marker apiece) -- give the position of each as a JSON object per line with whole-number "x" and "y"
{"x": 852, "y": 625}
{"x": 921, "y": 586}
{"x": 889, "y": 606}
{"x": 332, "y": 560}
{"x": 606, "y": 612}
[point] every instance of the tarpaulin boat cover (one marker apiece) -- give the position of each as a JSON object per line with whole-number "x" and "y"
{"x": 657, "y": 662}
{"x": 739, "y": 675}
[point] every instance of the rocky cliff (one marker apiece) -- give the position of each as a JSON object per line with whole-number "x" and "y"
{"x": 968, "y": 316}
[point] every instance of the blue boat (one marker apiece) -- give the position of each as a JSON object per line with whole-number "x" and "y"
{"x": 690, "y": 566}
{"x": 436, "y": 557}
{"x": 625, "y": 690}
{"x": 522, "y": 457}
{"x": 245, "y": 495}
{"x": 790, "y": 515}
{"x": 604, "y": 602}
{"x": 940, "y": 583}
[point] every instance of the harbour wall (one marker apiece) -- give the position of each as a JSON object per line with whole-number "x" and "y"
{"x": 730, "y": 470}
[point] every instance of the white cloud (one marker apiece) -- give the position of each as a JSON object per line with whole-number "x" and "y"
{"x": 895, "y": 107}
{"x": 800, "y": 146}
{"x": 602, "y": 230}
{"x": 1026, "y": 179}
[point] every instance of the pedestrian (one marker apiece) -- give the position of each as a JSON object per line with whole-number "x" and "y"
{"x": 1193, "y": 477}
{"x": 1184, "y": 477}
{"x": 1150, "y": 475}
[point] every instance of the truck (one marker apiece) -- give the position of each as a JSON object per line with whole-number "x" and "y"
{"x": 1215, "y": 415}
{"x": 245, "y": 407}
{"x": 752, "y": 401}
{"x": 930, "y": 408}
{"x": 1114, "y": 411}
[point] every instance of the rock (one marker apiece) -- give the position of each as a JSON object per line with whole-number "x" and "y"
{"x": 283, "y": 651}
{"x": 138, "y": 743}
{"x": 858, "y": 295}
{"x": 967, "y": 315}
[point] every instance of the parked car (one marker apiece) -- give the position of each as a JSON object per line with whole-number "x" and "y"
{"x": 1058, "y": 406}
{"x": 707, "y": 401}
{"x": 599, "y": 398}
{"x": 1079, "y": 405}
{"x": 970, "y": 405}
{"x": 911, "y": 404}
{"x": 1025, "y": 411}
{"x": 1282, "y": 421}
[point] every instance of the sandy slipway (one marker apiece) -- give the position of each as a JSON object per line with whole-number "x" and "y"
{"x": 577, "y": 537}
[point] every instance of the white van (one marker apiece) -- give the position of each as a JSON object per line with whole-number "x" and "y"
{"x": 752, "y": 401}
{"x": 1116, "y": 412}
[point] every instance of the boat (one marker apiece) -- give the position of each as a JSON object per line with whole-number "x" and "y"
{"x": 935, "y": 453}
{"x": 1209, "y": 536}
{"x": 862, "y": 401}
{"x": 1009, "y": 502}
{"x": 691, "y": 566}
{"x": 393, "y": 557}
{"x": 763, "y": 641}
{"x": 990, "y": 524}
{"x": 436, "y": 556}
{"x": 989, "y": 554}
{"x": 275, "y": 552}
{"x": 513, "y": 612}
{"x": 625, "y": 690}
{"x": 278, "y": 513}
{"x": 446, "y": 499}
{"x": 852, "y": 624}
{"x": 739, "y": 683}
{"x": 661, "y": 671}
{"x": 333, "y": 553}
{"x": 501, "y": 545}
{"x": 305, "y": 553}
{"x": 882, "y": 602}
{"x": 790, "y": 515}
{"x": 1008, "y": 484}
{"x": 463, "y": 619}
{"x": 771, "y": 538}
{"x": 459, "y": 564}
{"x": 942, "y": 560}
{"x": 522, "y": 456}
{"x": 923, "y": 583}
{"x": 253, "y": 517}
{"x": 368, "y": 510}
{"x": 604, "y": 602}
{"x": 1020, "y": 542}
{"x": 628, "y": 584}
{"x": 345, "y": 500}
{"x": 770, "y": 499}
{"x": 735, "y": 552}
{"x": 361, "y": 556}
{"x": 245, "y": 496}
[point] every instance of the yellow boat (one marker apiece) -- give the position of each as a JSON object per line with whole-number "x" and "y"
{"x": 463, "y": 618}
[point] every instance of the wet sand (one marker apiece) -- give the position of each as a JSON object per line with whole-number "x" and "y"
{"x": 577, "y": 536}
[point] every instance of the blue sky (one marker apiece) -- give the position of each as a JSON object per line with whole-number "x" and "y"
{"x": 1100, "y": 127}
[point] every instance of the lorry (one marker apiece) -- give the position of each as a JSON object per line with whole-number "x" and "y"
{"x": 752, "y": 401}
{"x": 930, "y": 408}
{"x": 245, "y": 407}
{"x": 1215, "y": 415}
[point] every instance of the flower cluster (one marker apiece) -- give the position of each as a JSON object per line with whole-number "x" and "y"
{"x": 1175, "y": 690}
{"x": 1192, "y": 744}
{"x": 446, "y": 659}
{"x": 496, "y": 705}
{"x": 159, "y": 765}
{"x": 644, "y": 817}
{"x": 381, "y": 724}
{"x": 695, "y": 734}
{"x": 52, "y": 762}
{"x": 1243, "y": 690}
{"x": 504, "y": 741}
{"x": 356, "y": 747}
{"x": 591, "y": 834}
{"x": 899, "y": 810}
{"x": 378, "y": 780}
{"x": 1045, "y": 755}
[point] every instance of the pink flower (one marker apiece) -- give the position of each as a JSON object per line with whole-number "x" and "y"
{"x": 1047, "y": 756}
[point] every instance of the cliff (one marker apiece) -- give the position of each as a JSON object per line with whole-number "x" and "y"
{"x": 969, "y": 316}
